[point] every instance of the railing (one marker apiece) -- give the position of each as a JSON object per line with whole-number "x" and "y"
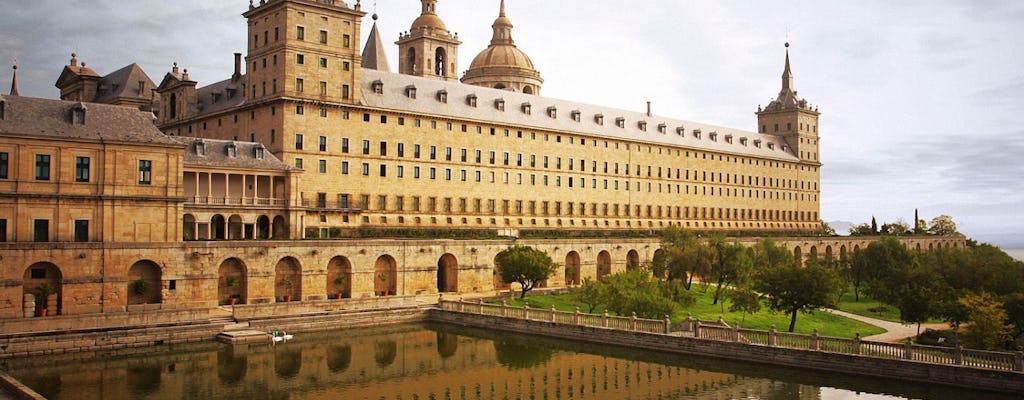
{"x": 238, "y": 201}
{"x": 722, "y": 332}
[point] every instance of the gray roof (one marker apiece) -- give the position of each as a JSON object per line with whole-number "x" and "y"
{"x": 216, "y": 154}
{"x": 53, "y": 119}
{"x": 373, "y": 53}
{"x": 617, "y": 124}
{"x": 224, "y": 95}
{"x": 124, "y": 83}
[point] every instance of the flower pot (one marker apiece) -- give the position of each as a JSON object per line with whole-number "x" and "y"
{"x": 42, "y": 312}
{"x": 286, "y": 298}
{"x": 232, "y": 301}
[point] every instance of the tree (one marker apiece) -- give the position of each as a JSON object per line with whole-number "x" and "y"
{"x": 827, "y": 229}
{"x": 732, "y": 265}
{"x": 896, "y": 228}
{"x": 746, "y": 301}
{"x": 987, "y": 329}
{"x": 792, "y": 289}
{"x": 525, "y": 265}
{"x": 685, "y": 256}
{"x": 636, "y": 291}
{"x": 877, "y": 262}
{"x": 942, "y": 225}
{"x": 591, "y": 293}
{"x": 861, "y": 230}
{"x": 874, "y": 225}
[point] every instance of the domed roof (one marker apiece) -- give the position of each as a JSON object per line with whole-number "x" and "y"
{"x": 502, "y": 56}
{"x": 429, "y": 21}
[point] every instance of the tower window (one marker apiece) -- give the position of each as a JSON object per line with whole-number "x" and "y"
{"x": 323, "y": 36}
{"x": 300, "y": 32}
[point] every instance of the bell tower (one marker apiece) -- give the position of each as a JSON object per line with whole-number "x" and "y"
{"x": 429, "y": 49}
{"x": 792, "y": 118}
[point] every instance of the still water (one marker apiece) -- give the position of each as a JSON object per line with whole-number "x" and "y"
{"x": 434, "y": 362}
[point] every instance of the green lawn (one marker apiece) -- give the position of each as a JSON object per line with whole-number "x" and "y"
{"x": 869, "y": 307}
{"x": 827, "y": 324}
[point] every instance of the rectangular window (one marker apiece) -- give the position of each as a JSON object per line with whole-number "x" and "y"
{"x": 366, "y": 169}
{"x": 344, "y": 167}
{"x": 298, "y": 141}
{"x": 323, "y": 62}
{"x": 300, "y": 59}
{"x": 366, "y": 147}
{"x": 416, "y": 172}
{"x": 300, "y": 32}
{"x": 3, "y": 165}
{"x": 298, "y": 85}
{"x": 41, "y": 230}
{"x": 401, "y": 150}
{"x": 323, "y": 88}
{"x": 299, "y": 110}
{"x": 298, "y": 163}
{"x": 400, "y": 171}
{"x": 323, "y": 36}
{"x": 416, "y": 151}
{"x": 344, "y": 91}
{"x": 383, "y": 170}
{"x": 3, "y": 230}
{"x": 383, "y": 149}
{"x": 81, "y": 230}
{"x": 323, "y": 143}
{"x": 322, "y": 166}
{"x": 81, "y": 169}
{"x": 145, "y": 172}
{"x": 344, "y": 145}
{"x": 42, "y": 167}
{"x": 346, "y": 40}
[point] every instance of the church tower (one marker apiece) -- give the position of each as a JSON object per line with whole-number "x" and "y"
{"x": 792, "y": 118}
{"x": 429, "y": 49}
{"x": 502, "y": 65}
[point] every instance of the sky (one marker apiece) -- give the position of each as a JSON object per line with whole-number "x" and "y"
{"x": 922, "y": 101}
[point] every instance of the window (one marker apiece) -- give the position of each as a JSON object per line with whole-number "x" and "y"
{"x": 366, "y": 169}
{"x": 145, "y": 172}
{"x": 401, "y": 149}
{"x": 3, "y": 165}
{"x": 346, "y": 40}
{"x": 299, "y": 110}
{"x": 298, "y": 163}
{"x": 300, "y": 33}
{"x": 344, "y": 167}
{"x": 346, "y": 66}
{"x": 3, "y": 230}
{"x": 345, "y": 91}
{"x": 298, "y": 141}
{"x": 322, "y": 166}
{"x": 383, "y": 149}
{"x": 366, "y": 147}
{"x": 81, "y": 169}
{"x": 323, "y": 111}
{"x": 323, "y": 62}
{"x": 383, "y": 170}
{"x": 300, "y": 59}
{"x": 344, "y": 145}
{"x": 81, "y": 230}
{"x": 298, "y": 85}
{"x": 41, "y": 230}
{"x": 323, "y": 88}
{"x": 323, "y": 36}
{"x": 42, "y": 167}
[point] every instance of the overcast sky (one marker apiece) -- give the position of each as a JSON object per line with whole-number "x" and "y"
{"x": 921, "y": 101}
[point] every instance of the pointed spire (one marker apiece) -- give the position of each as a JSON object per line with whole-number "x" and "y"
{"x": 502, "y": 12}
{"x": 502, "y": 28}
{"x": 787, "y": 74}
{"x": 14, "y": 81}
{"x": 374, "y": 56}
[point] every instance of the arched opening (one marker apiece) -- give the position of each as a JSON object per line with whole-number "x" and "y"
{"x": 918, "y": 247}
{"x": 842, "y": 254}
{"x": 447, "y": 344}
{"x": 43, "y": 281}
{"x": 231, "y": 282}
{"x": 604, "y": 264}
{"x": 447, "y": 274}
{"x": 339, "y": 278}
{"x": 499, "y": 86}
{"x": 287, "y": 280}
{"x": 528, "y": 89}
{"x": 144, "y": 283}
{"x": 235, "y": 228}
{"x": 385, "y": 352}
{"x": 632, "y": 260}
{"x": 814, "y": 252}
{"x": 410, "y": 61}
{"x": 280, "y": 230}
{"x": 173, "y": 112}
{"x": 189, "y": 227}
{"x": 828, "y": 253}
{"x": 385, "y": 276}
{"x": 498, "y": 283}
{"x": 440, "y": 63}
{"x": 799, "y": 255}
{"x": 263, "y": 227}
{"x": 218, "y": 225}
{"x": 572, "y": 268}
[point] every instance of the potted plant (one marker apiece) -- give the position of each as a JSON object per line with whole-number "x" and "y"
{"x": 42, "y": 292}
{"x": 139, "y": 287}
{"x": 383, "y": 278}
{"x": 231, "y": 282}
{"x": 339, "y": 281}
{"x": 287, "y": 283}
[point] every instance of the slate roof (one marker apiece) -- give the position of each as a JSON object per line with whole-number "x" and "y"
{"x": 49, "y": 118}
{"x": 216, "y": 155}
{"x": 224, "y": 95}
{"x": 679, "y": 133}
{"x": 124, "y": 83}
{"x": 373, "y": 54}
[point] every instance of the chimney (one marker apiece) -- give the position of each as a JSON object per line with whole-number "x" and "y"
{"x": 649, "y": 109}
{"x": 238, "y": 67}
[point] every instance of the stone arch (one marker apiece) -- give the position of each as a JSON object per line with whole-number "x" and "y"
{"x": 280, "y": 228}
{"x": 189, "y": 228}
{"x": 931, "y": 246}
{"x": 447, "y": 274}
{"x": 856, "y": 248}
{"x": 498, "y": 283}
{"x": 572, "y": 268}
{"x": 218, "y": 227}
{"x": 842, "y": 253}
{"x": 235, "y": 228}
{"x": 528, "y": 89}
{"x": 918, "y": 247}
{"x": 149, "y": 292}
{"x": 385, "y": 276}
{"x": 339, "y": 278}
{"x": 410, "y": 61}
{"x": 604, "y": 264}
{"x": 499, "y": 86}
{"x": 43, "y": 278}
{"x": 263, "y": 227}
{"x": 232, "y": 282}
{"x": 828, "y": 253}
{"x": 798, "y": 254}
{"x": 441, "y": 62}
{"x": 814, "y": 252}
{"x": 287, "y": 280}
{"x": 632, "y": 260}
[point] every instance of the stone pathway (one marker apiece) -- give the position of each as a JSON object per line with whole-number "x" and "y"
{"x": 896, "y": 331}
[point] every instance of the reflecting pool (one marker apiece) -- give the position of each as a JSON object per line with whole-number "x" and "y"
{"x": 434, "y": 362}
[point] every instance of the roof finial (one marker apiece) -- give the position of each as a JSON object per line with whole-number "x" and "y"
{"x": 787, "y": 73}
{"x": 502, "y": 12}
{"x": 74, "y": 59}
{"x": 14, "y": 80}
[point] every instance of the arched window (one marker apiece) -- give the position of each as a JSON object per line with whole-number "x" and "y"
{"x": 410, "y": 60}
{"x": 173, "y": 113}
{"x": 439, "y": 62}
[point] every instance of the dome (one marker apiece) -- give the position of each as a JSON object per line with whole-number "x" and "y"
{"x": 430, "y": 22}
{"x": 502, "y": 64}
{"x": 502, "y": 56}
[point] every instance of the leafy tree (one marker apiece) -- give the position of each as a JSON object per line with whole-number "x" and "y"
{"x": 686, "y": 257}
{"x": 896, "y": 228}
{"x": 635, "y": 291}
{"x": 918, "y": 295}
{"x": 525, "y": 265}
{"x": 767, "y": 254}
{"x": 732, "y": 265}
{"x": 746, "y": 301}
{"x": 827, "y": 229}
{"x": 792, "y": 289}
{"x": 880, "y": 260}
{"x": 942, "y": 225}
{"x": 591, "y": 294}
{"x": 1013, "y": 305}
{"x": 874, "y": 225}
{"x": 861, "y": 230}
{"x": 987, "y": 329}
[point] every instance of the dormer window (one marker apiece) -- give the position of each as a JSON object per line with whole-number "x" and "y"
{"x": 620, "y": 122}
{"x": 526, "y": 108}
{"x": 642, "y": 125}
{"x": 785, "y": 148}
{"x": 258, "y": 152}
{"x": 575, "y": 115}
{"x": 743, "y": 141}
{"x": 200, "y": 147}
{"x": 410, "y": 91}
{"x": 378, "y": 87}
{"x": 681, "y": 131}
{"x": 599, "y": 119}
{"x": 713, "y": 136}
{"x": 728, "y": 139}
{"x": 214, "y": 97}
{"x": 499, "y": 104}
{"x": 771, "y": 146}
{"x": 232, "y": 150}
{"x": 553, "y": 112}
{"x": 662, "y": 128}
{"x": 442, "y": 96}
{"x": 696, "y": 133}
{"x": 757, "y": 143}
{"x": 471, "y": 100}
{"x": 78, "y": 115}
